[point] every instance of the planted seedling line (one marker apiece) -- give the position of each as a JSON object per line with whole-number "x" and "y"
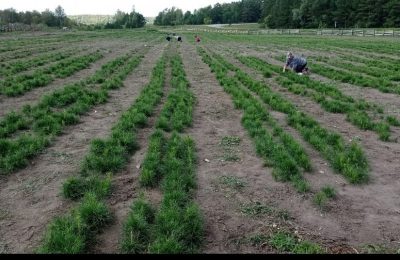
{"x": 23, "y": 65}
{"x": 177, "y": 226}
{"x": 349, "y": 160}
{"x": 378, "y": 67}
{"x": 173, "y": 116}
{"x": 21, "y": 84}
{"x": 37, "y": 44}
{"x": 363, "y": 81}
{"x": 45, "y": 122}
{"x": 178, "y": 109}
{"x": 60, "y": 98}
{"x": 29, "y": 54}
{"x": 384, "y": 73}
{"x": 22, "y": 54}
{"x": 329, "y": 97}
{"x": 70, "y": 93}
{"x": 287, "y": 140}
{"x": 283, "y": 158}
{"x": 74, "y": 232}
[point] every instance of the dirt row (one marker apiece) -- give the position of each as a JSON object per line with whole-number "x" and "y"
{"x": 390, "y": 102}
{"x": 215, "y": 117}
{"x": 30, "y": 198}
{"x": 368, "y": 214}
{"x": 111, "y": 50}
{"x": 126, "y": 184}
{"x": 361, "y": 214}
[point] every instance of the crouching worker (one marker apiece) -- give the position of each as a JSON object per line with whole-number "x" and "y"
{"x": 296, "y": 64}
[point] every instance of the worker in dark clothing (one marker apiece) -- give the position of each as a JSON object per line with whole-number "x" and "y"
{"x": 295, "y": 63}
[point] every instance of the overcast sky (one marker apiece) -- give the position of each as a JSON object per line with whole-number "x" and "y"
{"x": 148, "y": 8}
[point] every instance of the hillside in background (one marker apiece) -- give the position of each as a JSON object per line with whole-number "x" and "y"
{"x": 91, "y": 19}
{"x": 150, "y": 20}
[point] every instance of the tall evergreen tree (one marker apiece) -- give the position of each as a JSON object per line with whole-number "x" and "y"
{"x": 393, "y": 10}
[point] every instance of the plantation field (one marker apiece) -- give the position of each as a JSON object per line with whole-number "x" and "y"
{"x": 123, "y": 142}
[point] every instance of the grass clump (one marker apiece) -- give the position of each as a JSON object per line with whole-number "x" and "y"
{"x": 72, "y": 233}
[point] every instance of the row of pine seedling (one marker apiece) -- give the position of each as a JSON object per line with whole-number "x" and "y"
{"x": 75, "y": 231}
{"x": 11, "y": 68}
{"x": 349, "y": 160}
{"x": 176, "y": 226}
{"x": 26, "y": 52}
{"x": 25, "y": 133}
{"x": 20, "y": 84}
{"x": 16, "y": 45}
{"x": 359, "y": 112}
{"x": 380, "y": 74}
{"x": 380, "y": 79}
{"x": 277, "y": 148}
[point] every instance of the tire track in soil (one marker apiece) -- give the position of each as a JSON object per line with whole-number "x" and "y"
{"x": 214, "y": 118}
{"x": 367, "y": 213}
{"x": 126, "y": 186}
{"x": 30, "y": 198}
{"x": 7, "y": 104}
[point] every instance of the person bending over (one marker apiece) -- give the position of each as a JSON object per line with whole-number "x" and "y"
{"x": 295, "y": 63}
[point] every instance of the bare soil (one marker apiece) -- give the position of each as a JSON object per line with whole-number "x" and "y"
{"x": 30, "y": 198}
{"x": 113, "y": 50}
{"x": 125, "y": 184}
{"x": 390, "y": 102}
{"x": 360, "y": 215}
{"x": 367, "y": 214}
{"x": 226, "y": 226}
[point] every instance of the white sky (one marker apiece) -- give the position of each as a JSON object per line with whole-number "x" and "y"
{"x": 149, "y": 8}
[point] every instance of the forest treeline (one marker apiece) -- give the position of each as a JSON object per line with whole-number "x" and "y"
{"x": 268, "y": 13}
{"x": 59, "y": 18}
{"x": 291, "y": 14}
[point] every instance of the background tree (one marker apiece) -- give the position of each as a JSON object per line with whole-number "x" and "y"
{"x": 269, "y": 13}
{"x": 216, "y": 14}
{"x": 392, "y": 8}
{"x": 126, "y": 20}
{"x": 60, "y": 16}
{"x": 49, "y": 18}
{"x": 251, "y": 11}
{"x": 9, "y": 16}
{"x": 172, "y": 16}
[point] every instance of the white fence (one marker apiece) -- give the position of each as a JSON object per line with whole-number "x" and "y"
{"x": 340, "y": 32}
